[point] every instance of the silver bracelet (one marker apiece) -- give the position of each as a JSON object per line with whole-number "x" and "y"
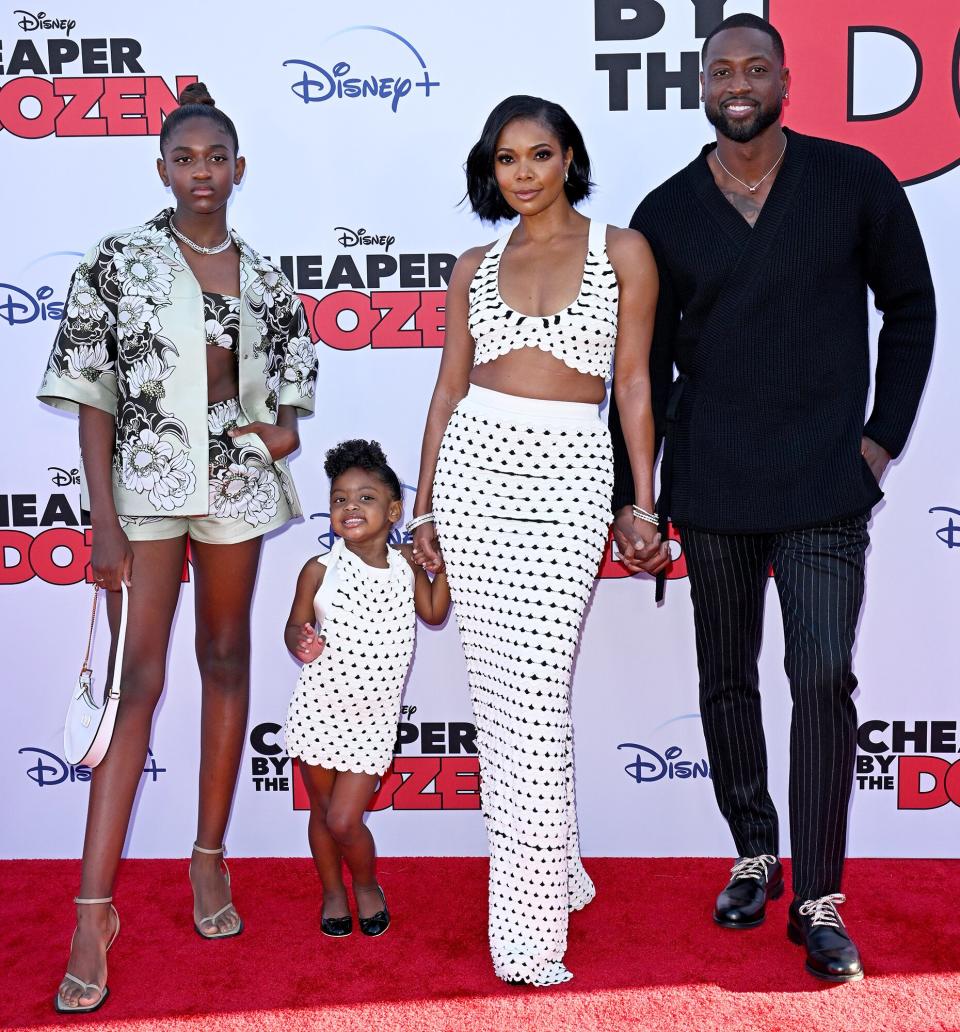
{"x": 647, "y": 517}
{"x": 418, "y": 521}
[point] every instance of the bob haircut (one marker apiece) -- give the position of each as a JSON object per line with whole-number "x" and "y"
{"x": 485, "y": 197}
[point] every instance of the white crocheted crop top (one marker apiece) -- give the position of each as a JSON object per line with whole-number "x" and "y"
{"x": 582, "y": 335}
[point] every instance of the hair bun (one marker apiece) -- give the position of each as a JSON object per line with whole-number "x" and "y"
{"x": 196, "y": 93}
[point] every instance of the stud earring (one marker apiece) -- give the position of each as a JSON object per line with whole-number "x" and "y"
{"x": 786, "y": 94}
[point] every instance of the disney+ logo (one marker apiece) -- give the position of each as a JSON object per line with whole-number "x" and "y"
{"x": 50, "y": 769}
{"x": 31, "y": 22}
{"x": 19, "y": 306}
{"x": 318, "y": 83}
{"x": 950, "y": 534}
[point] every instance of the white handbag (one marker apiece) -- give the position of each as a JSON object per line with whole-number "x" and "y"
{"x": 88, "y": 727}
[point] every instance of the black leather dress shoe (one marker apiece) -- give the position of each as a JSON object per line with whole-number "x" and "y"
{"x": 743, "y": 903}
{"x": 336, "y": 927}
{"x": 831, "y": 953}
{"x": 379, "y": 922}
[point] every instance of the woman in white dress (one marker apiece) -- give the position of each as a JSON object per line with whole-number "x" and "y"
{"x": 515, "y": 486}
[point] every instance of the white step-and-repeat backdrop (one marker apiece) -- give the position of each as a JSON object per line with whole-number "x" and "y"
{"x": 355, "y": 120}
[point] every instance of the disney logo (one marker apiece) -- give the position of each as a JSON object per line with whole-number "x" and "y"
{"x": 50, "y": 769}
{"x": 357, "y": 237}
{"x": 318, "y": 84}
{"x": 950, "y": 534}
{"x": 63, "y": 477}
{"x": 30, "y": 22}
{"x": 650, "y": 765}
{"x": 20, "y": 306}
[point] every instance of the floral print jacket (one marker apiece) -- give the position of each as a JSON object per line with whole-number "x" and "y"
{"x": 133, "y": 343}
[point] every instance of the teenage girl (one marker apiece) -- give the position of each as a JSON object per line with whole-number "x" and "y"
{"x": 186, "y": 355}
{"x": 342, "y": 721}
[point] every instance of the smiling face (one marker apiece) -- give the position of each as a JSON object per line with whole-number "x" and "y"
{"x": 743, "y": 83}
{"x": 200, "y": 166}
{"x": 529, "y": 165}
{"x": 362, "y": 507}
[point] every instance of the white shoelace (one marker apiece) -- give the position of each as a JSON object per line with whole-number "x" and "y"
{"x": 753, "y": 867}
{"x": 823, "y": 911}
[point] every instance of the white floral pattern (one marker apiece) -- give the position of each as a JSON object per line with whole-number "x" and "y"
{"x": 117, "y": 349}
{"x": 147, "y": 376}
{"x": 152, "y": 466}
{"x": 148, "y": 273}
{"x": 300, "y": 361}
{"x": 244, "y": 491}
{"x": 222, "y": 416}
{"x": 89, "y": 361}
{"x": 84, "y": 304}
{"x": 135, "y": 315}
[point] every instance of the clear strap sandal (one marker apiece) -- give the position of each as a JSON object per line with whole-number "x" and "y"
{"x": 211, "y": 919}
{"x": 59, "y": 1004}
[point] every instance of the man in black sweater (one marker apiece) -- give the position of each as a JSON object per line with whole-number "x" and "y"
{"x": 766, "y": 244}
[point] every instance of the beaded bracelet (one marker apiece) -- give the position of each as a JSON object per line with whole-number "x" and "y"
{"x": 418, "y": 521}
{"x": 647, "y": 517}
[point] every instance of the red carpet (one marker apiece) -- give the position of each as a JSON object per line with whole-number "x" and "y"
{"x": 645, "y": 954}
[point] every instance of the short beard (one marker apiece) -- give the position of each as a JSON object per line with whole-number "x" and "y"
{"x": 744, "y": 131}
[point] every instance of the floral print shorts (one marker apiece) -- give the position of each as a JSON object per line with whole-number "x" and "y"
{"x": 246, "y": 497}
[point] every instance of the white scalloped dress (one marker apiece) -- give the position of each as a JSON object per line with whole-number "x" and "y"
{"x": 521, "y": 499}
{"x": 344, "y": 711}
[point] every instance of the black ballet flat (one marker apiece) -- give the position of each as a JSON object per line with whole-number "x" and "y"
{"x": 337, "y": 927}
{"x": 379, "y": 922}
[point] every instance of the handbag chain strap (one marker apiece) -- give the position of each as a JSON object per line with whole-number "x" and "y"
{"x": 93, "y": 617}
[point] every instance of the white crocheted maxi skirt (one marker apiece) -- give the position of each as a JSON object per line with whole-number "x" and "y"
{"x": 522, "y": 506}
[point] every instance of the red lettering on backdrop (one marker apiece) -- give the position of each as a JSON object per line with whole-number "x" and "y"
{"x": 381, "y": 318}
{"x": 122, "y": 105}
{"x": 84, "y": 94}
{"x": 946, "y": 782}
{"x": 15, "y": 546}
{"x": 59, "y": 555}
{"x": 17, "y": 90}
{"x": 397, "y": 308}
{"x": 918, "y": 142}
{"x": 128, "y": 105}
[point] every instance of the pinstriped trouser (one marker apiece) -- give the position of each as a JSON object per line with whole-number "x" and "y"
{"x": 819, "y": 573}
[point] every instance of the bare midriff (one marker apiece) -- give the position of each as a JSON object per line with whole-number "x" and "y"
{"x": 531, "y": 373}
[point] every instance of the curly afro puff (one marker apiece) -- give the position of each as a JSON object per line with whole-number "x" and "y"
{"x": 362, "y": 454}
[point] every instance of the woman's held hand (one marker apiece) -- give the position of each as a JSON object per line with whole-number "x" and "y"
{"x": 641, "y": 547}
{"x": 426, "y": 548}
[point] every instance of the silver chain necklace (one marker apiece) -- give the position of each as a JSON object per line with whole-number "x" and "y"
{"x": 199, "y": 248}
{"x": 752, "y": 189}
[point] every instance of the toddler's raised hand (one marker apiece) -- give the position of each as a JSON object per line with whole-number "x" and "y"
{"x": 309, "y": 645}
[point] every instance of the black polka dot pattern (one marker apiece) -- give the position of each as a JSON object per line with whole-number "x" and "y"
{"x": 521, "y": 501}
{"x": 344, "y": 711}
{"x": 582, "y": 336}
